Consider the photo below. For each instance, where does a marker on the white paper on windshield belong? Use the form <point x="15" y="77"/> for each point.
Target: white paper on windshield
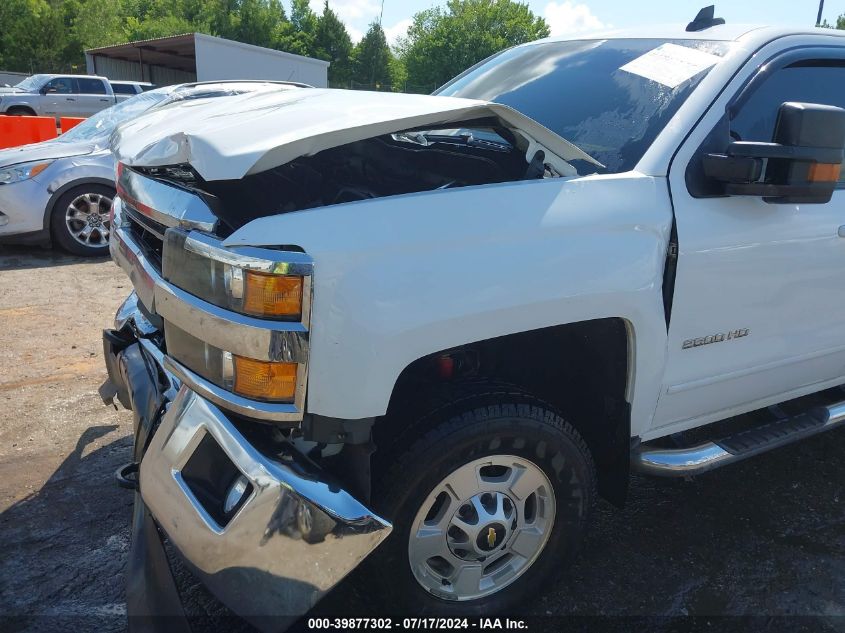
<point x="671" y="64"/>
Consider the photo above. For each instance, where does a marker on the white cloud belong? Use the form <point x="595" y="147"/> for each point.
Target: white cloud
<point x="396" y="31"/>
<point x="356" y="35"/>
<point x="357" y="15"/>
<point x="350" y="10"/>
<point x="570" y="17"/>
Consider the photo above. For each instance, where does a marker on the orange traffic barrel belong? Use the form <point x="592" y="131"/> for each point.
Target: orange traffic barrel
<point x="21" y="130"/>
<point x="67" y="122"/>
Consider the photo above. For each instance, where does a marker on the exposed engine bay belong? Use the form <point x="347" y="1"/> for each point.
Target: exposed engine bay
<point x="405" y="162"/>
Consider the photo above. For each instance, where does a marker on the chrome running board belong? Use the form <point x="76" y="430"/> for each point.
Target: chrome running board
<point x="694" y="460"/>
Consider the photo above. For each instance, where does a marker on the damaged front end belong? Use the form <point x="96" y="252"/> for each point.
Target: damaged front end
<point x="264" y="527"/>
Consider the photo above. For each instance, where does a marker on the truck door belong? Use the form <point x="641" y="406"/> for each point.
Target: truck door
<point x="758" y="313"/>
<point x="93" y="96"/>
<point x="59" y="97"/>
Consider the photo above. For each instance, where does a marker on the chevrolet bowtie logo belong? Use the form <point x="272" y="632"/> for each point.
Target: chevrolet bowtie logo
<point x="491" y="537"/>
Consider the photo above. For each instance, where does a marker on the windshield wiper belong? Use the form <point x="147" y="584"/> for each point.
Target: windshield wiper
<point x="468" y="140"/>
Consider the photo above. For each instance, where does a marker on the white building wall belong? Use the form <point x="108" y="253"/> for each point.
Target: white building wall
<point x="224" y="59"/>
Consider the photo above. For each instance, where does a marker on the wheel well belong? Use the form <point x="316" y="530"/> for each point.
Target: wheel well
<point x="26" y="109"/>
<point x="580" y="369"/>
<point x="54" y="198"/>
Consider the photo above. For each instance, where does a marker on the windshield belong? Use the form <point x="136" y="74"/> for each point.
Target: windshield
<point x="580" y="90"/>
<point x="102" y="124"/>
<point x="31" y="84"/>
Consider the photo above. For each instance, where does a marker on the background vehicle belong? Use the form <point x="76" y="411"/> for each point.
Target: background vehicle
<point x="126" y="89"/>
<point x="399" y="341"/>
<point x="61" y="189"/>
<point x="58" y="95"/>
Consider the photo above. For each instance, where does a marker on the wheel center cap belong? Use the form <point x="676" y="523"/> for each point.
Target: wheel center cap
<point x="94" y="220"/>
<point x="482" y="524"/>
<point x="490" y="537"/>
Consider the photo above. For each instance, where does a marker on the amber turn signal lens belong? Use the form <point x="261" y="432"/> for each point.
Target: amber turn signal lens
<point x="824" y="172"/>
<point x="272" y="295"/>
<point x="37" y="169"/>
<point x="262" y="380"/>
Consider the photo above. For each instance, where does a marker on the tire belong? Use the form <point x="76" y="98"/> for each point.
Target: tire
<point x="20" y="111"/>
<point x="72" y="222"/>
<point x="495" y="436"/>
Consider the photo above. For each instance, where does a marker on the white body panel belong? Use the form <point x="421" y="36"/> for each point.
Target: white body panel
<point x="399" y="278"/>
<point x="774" y="269"/>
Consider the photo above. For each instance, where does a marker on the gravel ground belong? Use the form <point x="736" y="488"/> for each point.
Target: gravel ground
<point x="765" y="538"/>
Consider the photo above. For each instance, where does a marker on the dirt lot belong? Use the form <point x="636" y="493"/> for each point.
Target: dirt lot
<point x="765" y="538"/>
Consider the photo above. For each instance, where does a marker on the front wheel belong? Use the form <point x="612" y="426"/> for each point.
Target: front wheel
<point x="80" y="220"/>
<point x="487" y="506"/>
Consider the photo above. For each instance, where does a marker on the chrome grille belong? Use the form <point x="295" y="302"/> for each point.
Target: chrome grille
<point x="148" y="234"/>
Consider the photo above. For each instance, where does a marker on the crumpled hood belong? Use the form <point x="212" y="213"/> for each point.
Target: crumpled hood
<point x="46" y="150"/>
<point x="246" y="134"/>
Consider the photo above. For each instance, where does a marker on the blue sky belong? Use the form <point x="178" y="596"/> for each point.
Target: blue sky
<point x="573" y="16"/>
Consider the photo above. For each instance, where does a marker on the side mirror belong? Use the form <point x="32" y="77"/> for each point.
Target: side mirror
<point x="47" y="90"/>
<point x="801" y="165"/>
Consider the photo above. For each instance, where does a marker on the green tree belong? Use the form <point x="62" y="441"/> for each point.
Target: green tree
<point x="99" y="23"/>
<point x="257" y="20"/>
<point x="219" y="17"/>
<point x="302" y="17"/>
<point x="34" y="35"/>
<point x="158" y="26"/>
<point x="443" y="42"/>
<point x="372" y="59"/>
<point x="146" y="19"/>
<point x="332" y="43"/>
<point x="297" y="36"/>
<point x="398" y="74"/>
<point x="840" y="23"/>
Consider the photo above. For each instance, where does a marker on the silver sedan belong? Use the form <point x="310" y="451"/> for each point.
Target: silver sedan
<point x="60" y="191"/>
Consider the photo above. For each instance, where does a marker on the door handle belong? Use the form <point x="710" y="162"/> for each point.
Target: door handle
<point x="104" y="100"/>
<point x="70" y="99"/>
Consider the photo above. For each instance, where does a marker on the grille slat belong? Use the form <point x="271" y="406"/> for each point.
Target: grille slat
<point x="149" y="235"/>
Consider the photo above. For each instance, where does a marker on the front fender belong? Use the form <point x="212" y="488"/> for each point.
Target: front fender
<point x="396" y="279"/>
<point x="21" y="101"/>
<point x="97" y="168"/>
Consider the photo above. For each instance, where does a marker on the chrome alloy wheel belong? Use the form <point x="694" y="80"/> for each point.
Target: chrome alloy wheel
<point x="481" y="527"/>
<point x="87" y="219"/>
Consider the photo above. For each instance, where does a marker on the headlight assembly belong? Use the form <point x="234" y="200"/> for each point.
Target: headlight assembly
<point x="22" y="171"/>
<point x="236" y="281"/>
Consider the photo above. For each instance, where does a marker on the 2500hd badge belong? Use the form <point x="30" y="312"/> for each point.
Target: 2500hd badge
<point x="715" y="338"/>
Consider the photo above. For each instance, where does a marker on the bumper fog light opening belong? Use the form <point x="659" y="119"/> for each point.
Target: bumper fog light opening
<point x="236" y="494"/>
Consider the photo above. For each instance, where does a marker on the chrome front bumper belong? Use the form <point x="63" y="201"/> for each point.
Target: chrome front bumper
<point x="288" y="544"/>
<point x="295" y="532"/>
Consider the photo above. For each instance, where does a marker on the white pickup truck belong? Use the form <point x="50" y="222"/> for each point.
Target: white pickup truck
<point x="423" y="333"/>
<point x="58" y="96"/>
